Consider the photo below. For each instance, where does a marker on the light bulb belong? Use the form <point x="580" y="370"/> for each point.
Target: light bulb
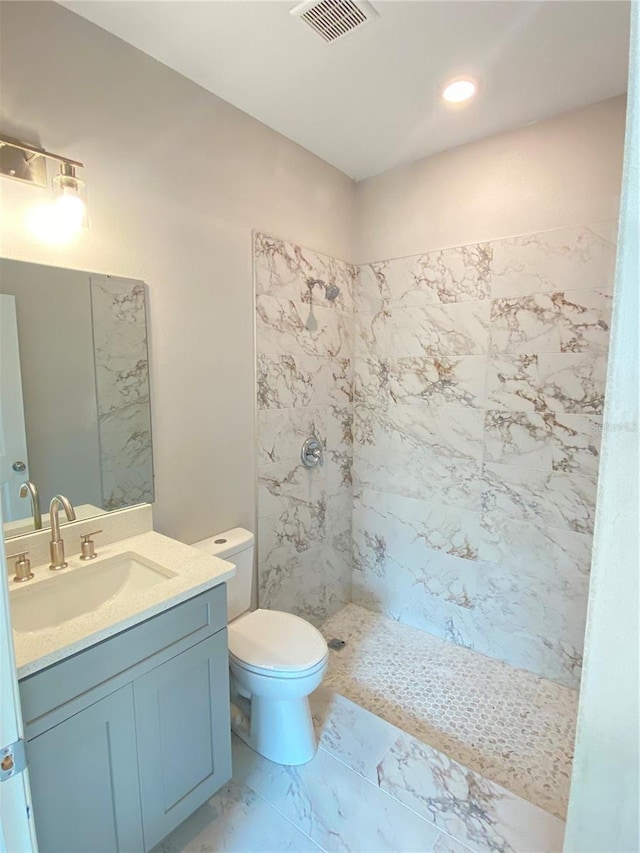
<point x="70" y="212"/>
<point x="459" y="90"/>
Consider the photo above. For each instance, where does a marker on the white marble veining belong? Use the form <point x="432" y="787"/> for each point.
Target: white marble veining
<point x="122" y="390"/>
<point x="479" y="389"/>
<point x="460" y="401"/>
<point x="304" y="351"/>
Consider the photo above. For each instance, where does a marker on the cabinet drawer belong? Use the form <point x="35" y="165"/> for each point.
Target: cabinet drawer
<point x="172" y="631"/>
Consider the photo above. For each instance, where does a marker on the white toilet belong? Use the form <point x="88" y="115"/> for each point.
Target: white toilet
<point x="276" y="660"/>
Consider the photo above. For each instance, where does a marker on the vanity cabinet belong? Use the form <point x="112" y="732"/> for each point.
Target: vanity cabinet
<point x="127" y="738"/>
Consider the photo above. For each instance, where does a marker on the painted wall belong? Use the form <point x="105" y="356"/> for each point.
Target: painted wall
<point x="605" y="786"/>
<point x="480" y="377"/>
<point x="304" y="352"/>
<point x="550" y="174"/>
<point x="177" y="180"/>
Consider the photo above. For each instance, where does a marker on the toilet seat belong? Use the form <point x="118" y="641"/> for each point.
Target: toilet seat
<point x="270" y="642"/>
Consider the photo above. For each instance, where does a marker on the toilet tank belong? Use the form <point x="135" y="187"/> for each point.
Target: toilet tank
<point x="235" y="546"/>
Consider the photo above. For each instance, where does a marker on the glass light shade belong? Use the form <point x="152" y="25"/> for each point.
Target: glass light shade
<point x="69" y="208"/>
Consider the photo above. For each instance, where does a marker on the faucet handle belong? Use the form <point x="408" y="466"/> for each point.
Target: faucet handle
<point x="87" y="545"/>
<point x="22" y="566"/>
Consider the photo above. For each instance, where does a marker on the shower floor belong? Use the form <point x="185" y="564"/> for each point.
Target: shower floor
<point x="511" y="726"/>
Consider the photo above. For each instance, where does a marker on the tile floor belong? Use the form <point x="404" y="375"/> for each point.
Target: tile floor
<point x="514" y="728"/>
<point x="370" y="788"/>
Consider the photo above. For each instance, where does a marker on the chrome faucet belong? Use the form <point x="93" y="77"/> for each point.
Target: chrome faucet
<point x="56" y="546"/>
<point x="30" y="489"/>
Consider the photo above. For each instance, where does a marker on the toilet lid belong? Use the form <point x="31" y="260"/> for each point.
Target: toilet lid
<point x="273" y="640"/>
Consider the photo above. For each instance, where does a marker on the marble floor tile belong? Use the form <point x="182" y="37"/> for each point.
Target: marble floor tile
<point x="508" y="725"/>
<point x="350" y="733"/>
<point x="336" y="807"/>
<point x="469" y="807"/>
<point x="236" y="820"/>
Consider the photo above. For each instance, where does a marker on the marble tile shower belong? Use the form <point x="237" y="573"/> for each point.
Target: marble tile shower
<point x="458" y="395"/>
<point x="304" y="349"/>
<point x="478" y="389"/>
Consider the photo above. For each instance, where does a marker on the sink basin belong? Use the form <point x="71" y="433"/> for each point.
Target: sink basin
<point x="65" y="596"/>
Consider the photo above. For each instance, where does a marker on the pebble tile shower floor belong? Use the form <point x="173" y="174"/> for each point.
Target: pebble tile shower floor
<point x="511" y="726"/>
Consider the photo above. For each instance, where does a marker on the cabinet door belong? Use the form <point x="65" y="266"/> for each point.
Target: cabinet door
<point x="184" y="737"/>
<point x="84" y="780"/>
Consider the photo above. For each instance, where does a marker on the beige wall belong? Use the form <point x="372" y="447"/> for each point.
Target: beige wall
<point x="558" y="172"/>
<point x="177" y="179"/>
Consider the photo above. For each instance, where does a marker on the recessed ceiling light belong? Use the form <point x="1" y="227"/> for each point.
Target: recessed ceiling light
<point x="459" y="89"/>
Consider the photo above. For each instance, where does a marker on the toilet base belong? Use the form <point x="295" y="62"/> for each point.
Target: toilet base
<point x="280" y="730"/>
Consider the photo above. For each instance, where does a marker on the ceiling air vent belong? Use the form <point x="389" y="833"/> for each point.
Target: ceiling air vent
<point x="333" y="19"/>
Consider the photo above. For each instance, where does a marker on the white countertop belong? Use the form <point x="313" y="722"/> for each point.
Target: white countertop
<point x="194" y="570"/>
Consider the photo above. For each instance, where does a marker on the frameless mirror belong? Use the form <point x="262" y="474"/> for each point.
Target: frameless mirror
<point x="74" y="393"/>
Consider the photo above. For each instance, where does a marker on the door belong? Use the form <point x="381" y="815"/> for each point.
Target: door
<point x="14" y="465"/>
<point x="16" y="823"/>
<point x="84" y="780"/>
<point x="182" y="717"/>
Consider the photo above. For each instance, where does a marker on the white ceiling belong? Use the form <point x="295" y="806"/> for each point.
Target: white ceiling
<point x="370" y="101"/>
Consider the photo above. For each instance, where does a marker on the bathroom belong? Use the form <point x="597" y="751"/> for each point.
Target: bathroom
<point x="463" y="359"/>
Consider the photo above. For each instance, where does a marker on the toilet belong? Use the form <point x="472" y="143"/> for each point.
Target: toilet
<point x="276" y="661"/>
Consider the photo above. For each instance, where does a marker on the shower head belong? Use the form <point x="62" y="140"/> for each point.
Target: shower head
<point x="332" y="291"/>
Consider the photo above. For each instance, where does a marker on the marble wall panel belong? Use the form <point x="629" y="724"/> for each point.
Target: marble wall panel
<point x="304" y="355"/>
<point x="479" y="388"/>
<point x="118" y="314"/>
<point x="458" y="395"/>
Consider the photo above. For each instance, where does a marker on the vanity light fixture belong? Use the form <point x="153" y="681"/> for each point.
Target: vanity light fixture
<point x="28" y="163"/>
<point x="459" y="89"/>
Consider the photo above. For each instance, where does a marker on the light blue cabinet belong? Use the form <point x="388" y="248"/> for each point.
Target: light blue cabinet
<point x="183" y="731"/>
<point x="84" y="780"/>
<point x="126" y="739"/>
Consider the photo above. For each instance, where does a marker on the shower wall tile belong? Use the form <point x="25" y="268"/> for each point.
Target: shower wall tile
<point x="304" y="354"/>
<point x="295" y="328"/>
<point x="524" y="324"/>
<point x="555" y="498"/>
<point x="289" y="381"/>
<point x="440" y="431"/>
<point x="569" y="258"/>
<point x="418" y="474"/>
<point x="281" y="432"/>
<point x="479" y="388"/>
<point x="282" y="269"/>
<point x="437" y="381"/>
<point x="392" y="530"/>
<point x="573" y="382"/>
<point x="458" y="395"/>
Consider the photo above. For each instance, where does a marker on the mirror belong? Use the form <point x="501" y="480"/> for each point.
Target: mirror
<point x="74" y="393"/>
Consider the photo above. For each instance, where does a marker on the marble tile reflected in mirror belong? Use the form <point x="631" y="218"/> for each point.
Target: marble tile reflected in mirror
<point x="74" y="392"/>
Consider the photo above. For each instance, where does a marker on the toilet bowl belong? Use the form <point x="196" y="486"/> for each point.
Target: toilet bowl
<point x="276" y="660"/>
